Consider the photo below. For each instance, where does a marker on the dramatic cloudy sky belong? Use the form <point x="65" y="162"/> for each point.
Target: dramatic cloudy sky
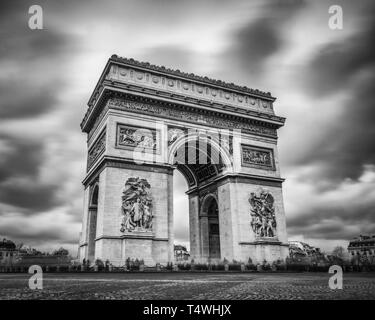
<point x="324" y="80"/>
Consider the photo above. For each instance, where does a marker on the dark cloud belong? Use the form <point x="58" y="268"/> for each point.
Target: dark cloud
<point x="337" y="64"/>
<point x="346" y="67"/>
<point x="329" y="223"/>
<point x="262" y="36"/>
<point x="344" y="213"/>
<point x="21" y="161"/>
<point x="21" y="157"/>
<point x="22" y="234"/>
<point x="32" y="62"/>
<point x="34" y="198"/>
<point x="24" y="98"/>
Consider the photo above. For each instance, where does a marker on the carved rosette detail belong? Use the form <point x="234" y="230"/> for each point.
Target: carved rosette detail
<point x="136" y="206"/>
<point x="262" y="212"/>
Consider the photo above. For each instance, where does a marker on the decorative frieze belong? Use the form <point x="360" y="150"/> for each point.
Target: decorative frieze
<point x="97" y="121"/>
<point x="256" y="157"/>
<point x="97" y="149"/>
<point x="144" y="139"/>
<point x="193" y="116"/>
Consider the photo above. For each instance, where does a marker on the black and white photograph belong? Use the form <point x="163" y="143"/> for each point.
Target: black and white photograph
<point x="202" y="152"/>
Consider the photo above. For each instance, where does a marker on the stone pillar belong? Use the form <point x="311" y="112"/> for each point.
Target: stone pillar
<point x="170" y="219"/>
<point x="92" y="219"/>
<point x="195" y="240"/>
<point x="116" y="245"/>
<point x="228" y="232"/>
<point x="205" y="246"/>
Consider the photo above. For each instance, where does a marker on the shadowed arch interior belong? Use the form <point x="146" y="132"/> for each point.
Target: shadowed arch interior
<point x="198" y="161"/>
<point x="209" y="217"/>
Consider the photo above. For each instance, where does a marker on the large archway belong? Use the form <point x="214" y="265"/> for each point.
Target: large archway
<point x="201" y="160"/>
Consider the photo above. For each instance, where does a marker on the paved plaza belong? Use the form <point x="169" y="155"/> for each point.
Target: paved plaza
<point x="195" y="286"/>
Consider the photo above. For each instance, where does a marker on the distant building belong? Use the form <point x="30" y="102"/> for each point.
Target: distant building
<point x="302" y="249"/>
<point x="180" y="253"/>
<point x="363" y="247"/>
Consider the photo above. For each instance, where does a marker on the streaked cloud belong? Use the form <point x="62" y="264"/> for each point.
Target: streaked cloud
<point x="323" y="80"/>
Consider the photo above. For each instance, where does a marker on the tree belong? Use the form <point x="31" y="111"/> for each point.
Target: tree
<point x="339" y="252"/>
<point x="61" y="252"/>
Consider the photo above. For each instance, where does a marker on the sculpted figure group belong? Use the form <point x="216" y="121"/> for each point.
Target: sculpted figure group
<point x="262" y="211"/>
<point x="136" y="206"/>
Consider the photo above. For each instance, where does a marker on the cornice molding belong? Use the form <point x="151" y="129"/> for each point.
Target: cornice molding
<point x="117" y="162"/>
<point x="243" y="116"/>
<point x="238" y="178"/>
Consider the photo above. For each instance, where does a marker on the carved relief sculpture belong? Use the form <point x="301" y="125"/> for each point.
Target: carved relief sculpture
<point x="262" y="211"/>
<point x="174" y="134"/>
<point x="136" y="206"/>
<point x="133" y="137"/>
<point x="257" y="157"/>
<point x="189" y="116"/>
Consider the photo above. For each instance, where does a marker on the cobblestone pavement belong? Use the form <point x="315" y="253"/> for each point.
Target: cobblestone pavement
<point x="226" y="286"/>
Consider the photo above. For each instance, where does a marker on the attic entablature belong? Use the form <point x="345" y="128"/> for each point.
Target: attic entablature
<point x="157" y="82"/>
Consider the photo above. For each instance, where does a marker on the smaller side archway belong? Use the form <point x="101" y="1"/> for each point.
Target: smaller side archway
<point x="210" y="230"/>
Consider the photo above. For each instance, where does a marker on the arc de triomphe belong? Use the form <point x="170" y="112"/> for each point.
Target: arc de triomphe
<point x="144" y="122"/>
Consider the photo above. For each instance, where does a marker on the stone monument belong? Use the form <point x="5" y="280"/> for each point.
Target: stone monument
<point x="143" y="122"/>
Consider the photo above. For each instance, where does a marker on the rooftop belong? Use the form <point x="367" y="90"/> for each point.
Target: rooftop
<point x="190" y="76"/>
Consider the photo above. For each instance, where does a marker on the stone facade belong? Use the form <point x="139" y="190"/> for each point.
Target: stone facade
<point x="143" y="123"/>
